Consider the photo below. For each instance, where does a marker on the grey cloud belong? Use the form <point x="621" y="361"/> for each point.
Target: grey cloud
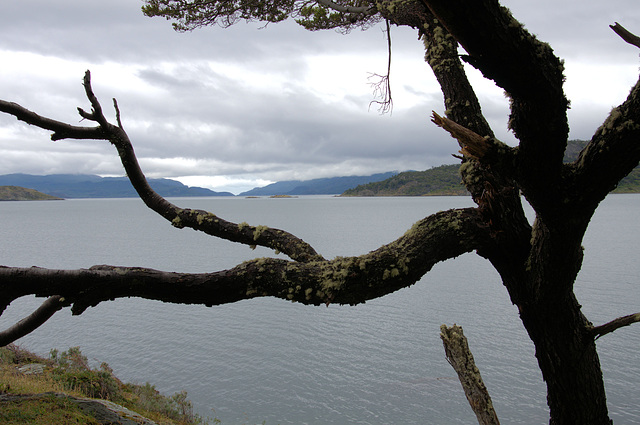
<point x="189" y="116"/>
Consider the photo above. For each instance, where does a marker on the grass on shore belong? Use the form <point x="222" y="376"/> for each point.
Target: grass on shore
<point x="69" y="373"/>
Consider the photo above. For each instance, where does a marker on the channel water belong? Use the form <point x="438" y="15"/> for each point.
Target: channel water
<point x="283" y="363"/>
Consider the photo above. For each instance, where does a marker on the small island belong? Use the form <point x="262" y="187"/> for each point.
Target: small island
<point x="17" y="193"/>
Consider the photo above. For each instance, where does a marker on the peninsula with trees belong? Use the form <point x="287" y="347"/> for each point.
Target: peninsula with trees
<point x="446" y="180"/>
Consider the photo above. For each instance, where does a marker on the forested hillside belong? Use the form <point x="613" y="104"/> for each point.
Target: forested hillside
<point x="442" y="180"/>
<point x="445" y="180"/>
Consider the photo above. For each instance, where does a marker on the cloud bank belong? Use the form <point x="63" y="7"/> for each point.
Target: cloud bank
<point x="235" y="108"/>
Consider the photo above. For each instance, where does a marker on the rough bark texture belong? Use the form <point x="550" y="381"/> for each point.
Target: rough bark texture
<point x="538" y="262"/>
<point x="460" y="358"/>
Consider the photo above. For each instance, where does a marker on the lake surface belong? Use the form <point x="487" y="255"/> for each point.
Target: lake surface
<point x="284" y="363"/>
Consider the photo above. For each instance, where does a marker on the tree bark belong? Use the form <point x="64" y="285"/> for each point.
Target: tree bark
<point x="569" y="362"/>
<point x="460" y="358"/>
<point x="32" y="321"/>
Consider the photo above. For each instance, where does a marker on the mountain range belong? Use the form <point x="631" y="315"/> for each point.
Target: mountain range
<point x="91" y="186"/>
<point x="324" y="186"/>
<point x="442" y="180"/>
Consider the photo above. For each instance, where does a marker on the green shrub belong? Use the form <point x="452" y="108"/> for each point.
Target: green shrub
<point x="73" y="372"/>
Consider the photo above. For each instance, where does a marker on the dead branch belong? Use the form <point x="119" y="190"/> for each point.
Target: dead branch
<point x="598" y="331"/>
<point x="209" y="223"/>
<point x="473" y="145"/>
<point x="344" y="280"/>
<point x="33" y="321"/>
<point x="60" y="130"/>
<point x="625" y="34"/>
<point x="460" y="358"/>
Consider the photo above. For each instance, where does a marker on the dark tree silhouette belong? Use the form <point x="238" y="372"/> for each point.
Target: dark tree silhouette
<point x="537" y="262"/>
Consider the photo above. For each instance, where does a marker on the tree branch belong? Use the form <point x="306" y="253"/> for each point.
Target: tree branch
<point x="204" y="221"/>
<point x="610" y="155"/>
<point x="33" y="321"/>
<point x="347" y="9"/>
<point x="490" y="179"/>
<point x="532" y="77"/>
<point x="473" y="145"/>
<point x="460" y="358"/>
<point x="344" y="280"/>
<point x="598" y="331"/>
<point x="60" y="130"/>
<point x="613" y="150"/>
<point x="625" y="34"/>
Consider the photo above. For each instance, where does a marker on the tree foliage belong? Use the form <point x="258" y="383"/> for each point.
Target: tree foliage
<point x="312" y="15"/>
<point x="538" y="262"/>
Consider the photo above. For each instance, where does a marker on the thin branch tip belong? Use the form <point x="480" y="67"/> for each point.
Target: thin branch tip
<point x="615" y="324"/>
<point x="625" y="34"/>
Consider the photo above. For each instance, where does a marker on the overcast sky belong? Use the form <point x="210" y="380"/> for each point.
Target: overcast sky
<point x="231" y="109"/>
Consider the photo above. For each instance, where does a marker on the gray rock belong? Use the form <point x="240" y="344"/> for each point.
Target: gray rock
<point x="105" y="412"/>
<point x="32" y="369"/>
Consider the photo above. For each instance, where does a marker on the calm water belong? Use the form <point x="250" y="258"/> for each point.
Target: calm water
<point x="284" y="363"/>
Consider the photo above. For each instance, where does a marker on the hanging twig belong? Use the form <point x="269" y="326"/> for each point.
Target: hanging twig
<point x="382" y="87"/>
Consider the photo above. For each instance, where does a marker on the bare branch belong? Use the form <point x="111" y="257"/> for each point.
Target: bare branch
<point x="33" y="321"/>
<point x="204" y="221"/>
<point x="532" y="77"/>
<point x="460" y="358"/>
<point x="473" y="145"/>
<point x="625" y="34"/>
<point x="348" y="280"/>
<point x="610" y="155"/>
<point x="115" y="106"/>
<point x="598" y="331"/>
<point x="60" y="130"/>
<point x="486" y="149"/>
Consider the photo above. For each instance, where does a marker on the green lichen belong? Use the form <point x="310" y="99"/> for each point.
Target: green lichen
<point x="441" y="50"/>
<point x="334" y="275"/>
<point x="403" y="265"/>
<point x="258" y="231"/>
<point x="242" y="225"/>
<point x="177" y="222"/>
<point x="206" y="217"/>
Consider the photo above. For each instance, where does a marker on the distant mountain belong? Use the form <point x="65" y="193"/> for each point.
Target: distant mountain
<point x="326" y="186"/>
<point x="16" y="193"/>
<point x="91" y="186"/>
<point x="442" y="180"/>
